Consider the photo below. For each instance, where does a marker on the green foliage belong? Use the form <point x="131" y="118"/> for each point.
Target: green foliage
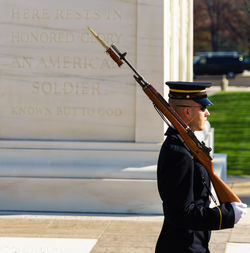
<point x="230" y="118"/>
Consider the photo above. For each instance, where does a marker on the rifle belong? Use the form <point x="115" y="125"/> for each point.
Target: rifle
<point x="199" y="149"/>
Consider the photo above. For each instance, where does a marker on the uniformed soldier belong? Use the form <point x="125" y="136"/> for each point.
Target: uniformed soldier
<point x="183" y="182"/>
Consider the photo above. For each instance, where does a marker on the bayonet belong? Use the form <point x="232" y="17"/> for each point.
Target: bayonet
<point x="109" y="50"/>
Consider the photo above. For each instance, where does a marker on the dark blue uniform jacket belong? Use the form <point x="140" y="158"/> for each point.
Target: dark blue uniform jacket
<point x="188" y="218"/>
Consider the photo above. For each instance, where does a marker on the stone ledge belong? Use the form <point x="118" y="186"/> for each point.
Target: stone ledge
<point x="78" y="159"/>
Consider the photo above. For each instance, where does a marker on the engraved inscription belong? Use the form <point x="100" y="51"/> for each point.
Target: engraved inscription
<point x="62" y="62"/>
<point x="31" y="110"/>
<point x="61" y="37"/>
<point x="53" y="76"/>
<point x="88" y="111"/>
<point x="67" y="111"/>
<point x="30" y="14"/>
<point x="65" y="14"/>
<point x="65" y="89"/>
<point x="87" y="14"/>
<point x="42" y="37"/>
<point x="110" y="38"/>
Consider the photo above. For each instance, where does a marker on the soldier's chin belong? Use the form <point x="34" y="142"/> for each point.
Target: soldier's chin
<point x="199" y="129"/>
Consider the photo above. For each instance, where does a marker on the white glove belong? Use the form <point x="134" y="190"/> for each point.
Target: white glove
<point x="240" y="209"/>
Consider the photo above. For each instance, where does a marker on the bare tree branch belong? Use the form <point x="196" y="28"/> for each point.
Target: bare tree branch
<point x="226" y="22"/>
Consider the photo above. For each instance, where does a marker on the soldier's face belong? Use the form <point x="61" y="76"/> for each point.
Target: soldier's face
<point x="198" y="117"/>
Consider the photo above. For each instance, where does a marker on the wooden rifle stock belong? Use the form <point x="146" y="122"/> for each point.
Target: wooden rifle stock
<point x="224" y="193"/>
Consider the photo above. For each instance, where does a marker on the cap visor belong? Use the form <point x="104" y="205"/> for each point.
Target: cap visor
<point x="203" y="101"/>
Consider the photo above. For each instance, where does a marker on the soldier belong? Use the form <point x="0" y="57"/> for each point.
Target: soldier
<point x="184" y="184"/>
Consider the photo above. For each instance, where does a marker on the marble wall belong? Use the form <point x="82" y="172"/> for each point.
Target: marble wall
<point x="57" y="83"/>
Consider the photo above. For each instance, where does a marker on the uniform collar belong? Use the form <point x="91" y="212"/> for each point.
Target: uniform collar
<point x="171" y="131"/>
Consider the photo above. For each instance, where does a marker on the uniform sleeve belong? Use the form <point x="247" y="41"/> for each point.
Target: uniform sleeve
<point x="175" y="182"/>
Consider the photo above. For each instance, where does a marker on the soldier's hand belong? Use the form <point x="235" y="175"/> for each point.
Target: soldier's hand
<point x="240" y="209"/>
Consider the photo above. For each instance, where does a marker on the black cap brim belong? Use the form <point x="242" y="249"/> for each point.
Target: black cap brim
<point x="203" y="101"/>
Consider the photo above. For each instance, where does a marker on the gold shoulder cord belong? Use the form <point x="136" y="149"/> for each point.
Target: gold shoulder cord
<point x="220" y="217"/>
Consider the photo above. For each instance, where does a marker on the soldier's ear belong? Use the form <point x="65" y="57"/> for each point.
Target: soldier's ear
<point x="186" y="111"/>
